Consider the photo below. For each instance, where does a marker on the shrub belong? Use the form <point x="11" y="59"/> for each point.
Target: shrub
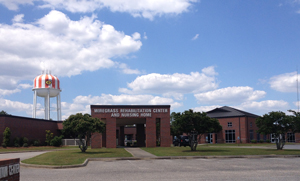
<point x="253" y="141"/>
<point x="21" y="142"/>
<point x="36" y="143"/>
<point x="56" y="141"/>
<point x="4" y="145"/>
<point x="17" y="142"/>
<point x="49" y="137"/>
<point x="261" y="141"/>
<point x="25" y="142"/>
<point x="268" y="141"/>
<point x="6" y="137"/>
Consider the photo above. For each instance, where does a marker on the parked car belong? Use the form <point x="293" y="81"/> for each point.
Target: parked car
<point x="176" y="141"/>
<point x="181" y="141"/>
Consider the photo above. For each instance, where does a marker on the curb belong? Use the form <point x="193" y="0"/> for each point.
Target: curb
<point x="156" y="158"/>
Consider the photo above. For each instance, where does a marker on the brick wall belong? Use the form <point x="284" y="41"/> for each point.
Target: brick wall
<point x="10" y="169"/>
<point x="33" y="129"/>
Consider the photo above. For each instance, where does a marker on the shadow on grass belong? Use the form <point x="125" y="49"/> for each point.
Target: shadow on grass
<point x="204" y="151"/>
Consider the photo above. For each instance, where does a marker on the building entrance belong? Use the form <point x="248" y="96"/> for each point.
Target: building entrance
<point x="146" y="125"/>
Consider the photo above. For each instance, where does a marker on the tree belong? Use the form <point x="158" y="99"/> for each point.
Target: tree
<point x="3" y="113"/>
<point x="296" y="121"/>
<point x="196" y="122"/>
<point x="276" y="123"/>
<point x="6" y="137"/>
<point x="82" y="127"/>
<point x="49" y="137"/>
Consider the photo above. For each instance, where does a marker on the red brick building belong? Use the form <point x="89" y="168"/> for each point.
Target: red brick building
<point x="238" y="127"/>
<point x="31" y="128"/>
<point x="151" y="125"/>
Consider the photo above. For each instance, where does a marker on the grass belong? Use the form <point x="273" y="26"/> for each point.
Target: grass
<point x="241" y="144"/>
<point x="37" y="148"/>
<point x="73" y="157"/>
<point x="216" y="151"/>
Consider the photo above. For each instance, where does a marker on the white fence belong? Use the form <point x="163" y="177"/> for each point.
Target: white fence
<point x="70" y="142"/>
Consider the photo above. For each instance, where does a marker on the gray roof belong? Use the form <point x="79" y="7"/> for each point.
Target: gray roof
<point x="225" y="112"/>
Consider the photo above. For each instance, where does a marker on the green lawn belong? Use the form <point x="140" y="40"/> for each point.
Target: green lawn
<point x="73" y="157"/>
<point x="37" y="148"/>
<point x="216" y="151"/>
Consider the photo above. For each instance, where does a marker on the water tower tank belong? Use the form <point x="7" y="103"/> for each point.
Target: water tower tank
<point x="47" y="86"/>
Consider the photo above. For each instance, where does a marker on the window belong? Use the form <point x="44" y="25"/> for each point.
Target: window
<point x="250" y="124"/>
<point x="251" y="135"/>
<point x="290" y="137"/>
<point x="229" y="124"/>
<point x="230" y="136"/>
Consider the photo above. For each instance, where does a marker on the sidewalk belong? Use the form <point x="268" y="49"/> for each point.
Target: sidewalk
<point x="137" y="152"/>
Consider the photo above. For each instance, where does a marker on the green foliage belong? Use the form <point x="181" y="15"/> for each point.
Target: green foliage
<point x="253" y="141"/>
<point x="189" y="121"/>
<point x="56" y="141"/>
<point x="268" y="141"/>
<point x="49" y="137"/>
<point x="25" y="142"/>
<point x="82" y="127"/>
<point x="17" y="142"/>
<point x="3" y="113"/>
<point x="36" y="143"/>
<point x="276" y="123"/>
<point x="261" y="141"/>
<point x="6" y="137"/>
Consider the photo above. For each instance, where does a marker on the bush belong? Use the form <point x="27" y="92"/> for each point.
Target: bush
<point x="261" y="141"/>
<point x="25" y="140"/>
<point x="49" y="137"/>
<point x="6" y="137"/>
<point x="56" y="141"/>
<point x="36" y="143"/>
<point x="21" y="142"/>
<point x="253" y="141"/>
<point x="17" y="142"/>
<point x="4" y="145"/>
<point x="268" y="141"/>
<point x="25" y="145"/>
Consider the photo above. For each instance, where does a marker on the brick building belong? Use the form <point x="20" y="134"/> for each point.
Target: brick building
<point x="238" y="127"/>
<point x="31" y="128"/>
<point x="149" y="124"/>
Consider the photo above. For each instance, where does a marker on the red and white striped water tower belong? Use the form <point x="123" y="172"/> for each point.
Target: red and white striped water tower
<point x="47" y="86"/>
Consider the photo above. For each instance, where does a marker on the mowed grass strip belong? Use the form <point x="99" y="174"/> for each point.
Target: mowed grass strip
<point x="74" y="157"/>
<point x="38" y="148"/>
<point x="216" y="151"/>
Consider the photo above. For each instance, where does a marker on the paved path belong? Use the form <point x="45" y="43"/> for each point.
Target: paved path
<point x="21" y="155"/>
<point x="137" y="152"/>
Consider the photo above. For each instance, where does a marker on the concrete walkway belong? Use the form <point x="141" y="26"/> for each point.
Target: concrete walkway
<point x="137" y="152"/>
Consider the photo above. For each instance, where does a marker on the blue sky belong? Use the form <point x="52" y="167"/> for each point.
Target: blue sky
<point x="189" y="54"/>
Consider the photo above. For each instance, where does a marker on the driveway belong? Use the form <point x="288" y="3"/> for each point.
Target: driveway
<point x="274" y="169"/>
<point x="22" y="155"/>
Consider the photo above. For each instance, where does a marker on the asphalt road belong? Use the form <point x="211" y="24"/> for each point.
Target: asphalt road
<point x="179" y="169"/>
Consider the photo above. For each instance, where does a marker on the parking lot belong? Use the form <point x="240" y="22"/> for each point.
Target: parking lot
<point x="176" y="169"/>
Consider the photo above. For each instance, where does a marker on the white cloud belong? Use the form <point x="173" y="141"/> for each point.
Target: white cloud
<point x="205" y="108"/>
<point x="229" y="95"/>
<point x="195" y="37"/>
<point x="14" y="4"/>
<point x="173" y="84"/>
<point x="126" y="70"/>
<point x="137" y="8"/>
<point x="284" y="82"/>
<point x="14" y="106"/>
<point x="264" y="107"/>
<point x="62" y="45"/>
<point x="18" y="18"/>
<point x="145" y="36"/>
